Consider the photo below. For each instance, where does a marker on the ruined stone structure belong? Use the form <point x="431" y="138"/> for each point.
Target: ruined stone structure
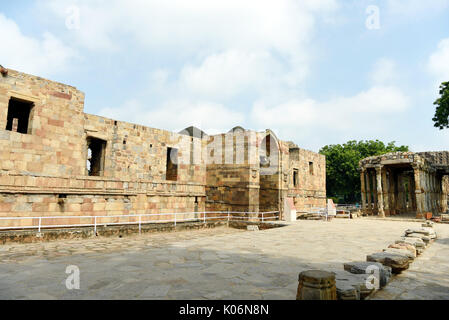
<point x="405" y="182"/>
<point x="56" y="160"/>
<point x="255" y="171"/>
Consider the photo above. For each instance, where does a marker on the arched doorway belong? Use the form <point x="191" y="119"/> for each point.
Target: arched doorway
<point x="269" y="178"/>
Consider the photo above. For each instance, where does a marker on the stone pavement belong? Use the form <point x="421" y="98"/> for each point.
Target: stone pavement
<point x="427" y="278"/>
<point x="217" y="263"/>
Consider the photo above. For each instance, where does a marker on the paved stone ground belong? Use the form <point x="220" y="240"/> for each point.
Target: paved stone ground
<point x="207" y="264"/>
<point x="427" y="277"/>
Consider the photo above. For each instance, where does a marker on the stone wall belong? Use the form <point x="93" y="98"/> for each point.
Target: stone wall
<point x="44" y="171"/>
<point x="252" y="185"/>
<point x="56" y="160"/>
<point x="310" y="190"/>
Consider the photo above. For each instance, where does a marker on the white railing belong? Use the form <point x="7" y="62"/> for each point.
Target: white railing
<point x="99" y="220"/>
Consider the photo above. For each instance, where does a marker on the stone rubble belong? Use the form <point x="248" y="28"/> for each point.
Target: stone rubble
<point x="396" y="261"/>
<point x="361" y="267"/>
<point x="403" y="252"/>
<point x="404" y="246"/>
<point x="344" y="280"/>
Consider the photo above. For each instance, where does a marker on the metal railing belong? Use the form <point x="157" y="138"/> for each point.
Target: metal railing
<point x="139" y="219"/>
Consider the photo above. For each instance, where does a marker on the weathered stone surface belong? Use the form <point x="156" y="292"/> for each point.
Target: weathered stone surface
<point x="395" y="261"/>
<point x="428" y="224"/>
<point x="131" y="173"/>
<point x="424" y="238"/>
<point x="347" y="291"/>
<point x="360" y="282"/>
<point x="316" y="285"/>
<point x="404" y="252"/>
<point x="430" y="232"/>
<point x="362" y="267"/>
<point x="404" y="246"/>
<point x="416" y="242"/>
<point x="390" y="194"/>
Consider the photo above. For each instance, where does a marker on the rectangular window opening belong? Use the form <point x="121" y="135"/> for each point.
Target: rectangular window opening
<point x="295" y="177"/>
<point x="19" y="116"/>
<point x="172" y="164"/>
<point x="95" y="156"/>
<point x="311" y="168"/>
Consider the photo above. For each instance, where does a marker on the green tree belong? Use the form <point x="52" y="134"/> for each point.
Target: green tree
<point x="441" y="118"/>
<point x="342" y="162"/>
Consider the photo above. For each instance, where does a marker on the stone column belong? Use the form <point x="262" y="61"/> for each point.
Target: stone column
<point x="434" y="193"/>
<point x="400" y="194"/>
<point x="425" y="186"/>
<point x="369" y="203"/>
<point x="443" y="196"/>
<point x="375" y="204"/>
<point x="393" y="195"/>
<point x="412" y="199"/>
<point x="380" y="198"/>
<point x="386" y="190"/>
<point x="363" y="190"/>
<point x="418" y="192"/>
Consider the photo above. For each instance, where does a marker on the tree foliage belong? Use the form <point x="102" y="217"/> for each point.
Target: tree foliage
<point x="441" y="118"/>
<point x="342" y="161"/>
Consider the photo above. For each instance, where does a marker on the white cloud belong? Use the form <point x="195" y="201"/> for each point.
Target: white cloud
<point x="38" y="56"/>
<point x="232" y="72"/>
<point x="439" y="61"/>
<point x="225" y="46"/>
<point x="188" y="24"/>
<point x="415" y="7"/>
<point x="384" y="71"/>
<point x="178" y="114"/>
<point x="357" y="115"/>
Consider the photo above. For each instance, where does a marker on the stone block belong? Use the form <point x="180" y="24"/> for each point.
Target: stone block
<point x="396" y="261"/>
<point x="316" y="285"/>
<point x="404" y="246"/>
<point x="404" y="252"/>
<point x="367" y="268"/>
<point x="416" y="242"/>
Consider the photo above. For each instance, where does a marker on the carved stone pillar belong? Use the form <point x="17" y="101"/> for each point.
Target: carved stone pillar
<point x="400" y="194"/>
<point x="412" y="199"/>
<point x="425" y="187"/>
<point x="369" y="201"/>
<point x="375" y="203"/>
<point x="363" y="190"/>
<point x="380" y="198"/>
<point x="393" y="195"/>
<point x="418" y="192"/>
<point x="385" y="192"/>
<point x="443" y="195"/>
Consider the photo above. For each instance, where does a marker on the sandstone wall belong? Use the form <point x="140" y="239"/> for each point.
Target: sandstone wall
<point x="44" y="172"/>
<point x="311" y="187"/>
<point x="54" y="146"/>
<point x="232" y="173"/>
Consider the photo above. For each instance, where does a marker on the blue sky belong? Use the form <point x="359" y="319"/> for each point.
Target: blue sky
<point x="311" y="70"/>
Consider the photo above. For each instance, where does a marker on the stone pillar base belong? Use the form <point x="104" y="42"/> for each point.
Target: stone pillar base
<point x="316" y="285"/>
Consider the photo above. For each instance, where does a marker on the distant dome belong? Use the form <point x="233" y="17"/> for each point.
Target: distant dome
<point x="238" y="128"/>
<point x="193" y="132"/>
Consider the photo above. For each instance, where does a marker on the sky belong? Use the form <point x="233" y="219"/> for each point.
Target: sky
<point x="316" y="72"/>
